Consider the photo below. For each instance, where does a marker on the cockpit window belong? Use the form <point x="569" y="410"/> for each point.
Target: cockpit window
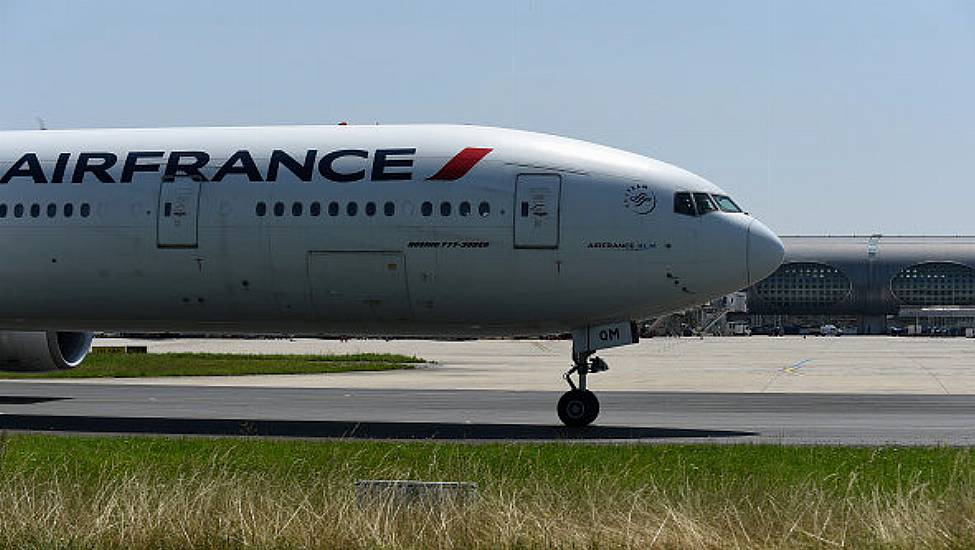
<point x="684" y="204"/>
<point x="726" y="204"/>
<point x="704" y="203"/>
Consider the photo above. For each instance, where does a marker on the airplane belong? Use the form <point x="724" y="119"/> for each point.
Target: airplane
<point x="349" y="230"/>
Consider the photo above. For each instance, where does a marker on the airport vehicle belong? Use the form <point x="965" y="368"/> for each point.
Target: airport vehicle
<point x="740" y="328"/>
<point x="830" y="330"/>
<point x="425" y="230"/>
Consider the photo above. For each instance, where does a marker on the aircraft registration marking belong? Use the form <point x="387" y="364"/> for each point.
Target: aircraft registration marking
<point x="448" y="244"/>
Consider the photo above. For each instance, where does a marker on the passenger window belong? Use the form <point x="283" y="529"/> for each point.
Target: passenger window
<point x="684" y="204"/>
<point x="296" y="209"/>
<point x="726" y="204"/>
<point x="3" y="210"/>
<point x="260" y="210"/>
<point x="484" y="209"/>
<point x="52" y="210"/>
<point x="68" y="209"/>
<point x="389" y="209"/>
<point x="426" y="208"/>
<point x="85" y="209"/>
<point x="19" y="211"/>
<point x="445" y="208"/>
<point x="465" y="209"/>
<point x="352" y="208"/>
<point x="333" y="208"/>
<point x="316" y="209"/>
<point x="279" y="209"/>
<point x="35" y="210"/>
<point x="704" y="203"/>
<point x="370" y="209"/>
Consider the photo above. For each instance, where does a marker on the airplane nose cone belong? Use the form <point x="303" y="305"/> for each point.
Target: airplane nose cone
<point x="765" y="252"/>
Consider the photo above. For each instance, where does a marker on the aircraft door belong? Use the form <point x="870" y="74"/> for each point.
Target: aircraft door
<point x="537" y="198"/>
<point x="178" y="213"/>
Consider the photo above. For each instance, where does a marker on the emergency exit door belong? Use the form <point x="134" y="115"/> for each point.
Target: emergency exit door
<point x="537" y="210"/>
<point x="178" y="213"/>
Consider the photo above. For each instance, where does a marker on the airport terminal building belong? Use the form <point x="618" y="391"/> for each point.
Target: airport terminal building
<point x="870" y="284"/>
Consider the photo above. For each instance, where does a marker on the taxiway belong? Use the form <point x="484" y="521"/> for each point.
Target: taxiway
<point x="487" y="414"/>
<point x="849" y="391"/>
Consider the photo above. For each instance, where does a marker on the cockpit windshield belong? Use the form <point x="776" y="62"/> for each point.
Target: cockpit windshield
<point x="704" y="203"/>
<point x="684" y="204"/>
<point x="699" y="204"/>
<point x="726" y="204"/>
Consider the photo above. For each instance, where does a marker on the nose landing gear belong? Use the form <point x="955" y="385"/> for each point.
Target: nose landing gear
<point x="579" y="407"/>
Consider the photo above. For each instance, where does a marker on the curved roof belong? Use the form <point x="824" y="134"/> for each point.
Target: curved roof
<point x="899" y="249"/>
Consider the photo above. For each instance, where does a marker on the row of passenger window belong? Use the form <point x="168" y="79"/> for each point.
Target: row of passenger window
<point x="315" y="209"/>
<point x="370" y="209"/>
<point x="67" y="210"/>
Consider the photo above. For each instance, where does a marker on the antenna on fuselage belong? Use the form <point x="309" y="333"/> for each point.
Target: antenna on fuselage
<point x="41" y="125"/>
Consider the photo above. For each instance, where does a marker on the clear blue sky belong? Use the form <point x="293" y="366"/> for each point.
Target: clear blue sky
<point x="820" y="116"/>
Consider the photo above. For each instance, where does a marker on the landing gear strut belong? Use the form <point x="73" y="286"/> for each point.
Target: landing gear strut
<point x="579" y="407"/>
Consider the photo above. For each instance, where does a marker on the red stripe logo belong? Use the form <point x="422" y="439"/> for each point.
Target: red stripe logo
<point x="461" y="164"/>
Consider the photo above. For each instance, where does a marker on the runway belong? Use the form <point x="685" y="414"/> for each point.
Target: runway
<point x="487" y="415"/>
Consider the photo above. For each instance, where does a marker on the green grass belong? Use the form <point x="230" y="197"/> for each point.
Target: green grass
<point x="165" y="492"/>
<point x="129" y="365"/>
<point x="671" y="467"/>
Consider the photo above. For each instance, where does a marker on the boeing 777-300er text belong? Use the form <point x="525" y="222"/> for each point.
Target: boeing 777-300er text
<point x="414" y="231"/>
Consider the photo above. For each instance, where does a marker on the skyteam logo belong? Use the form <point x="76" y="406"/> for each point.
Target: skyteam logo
<point x="640" y="199"/>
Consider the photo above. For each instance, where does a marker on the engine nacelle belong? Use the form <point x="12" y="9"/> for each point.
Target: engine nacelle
<point x="43" y="351"/>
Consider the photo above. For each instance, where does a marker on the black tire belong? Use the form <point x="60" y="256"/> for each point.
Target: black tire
<point x="578" y="408"/>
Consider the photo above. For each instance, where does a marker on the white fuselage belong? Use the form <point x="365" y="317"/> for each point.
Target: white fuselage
<point x="522" y="233"/>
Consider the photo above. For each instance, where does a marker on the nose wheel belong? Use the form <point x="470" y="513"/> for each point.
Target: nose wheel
<point x="579" y="407"/>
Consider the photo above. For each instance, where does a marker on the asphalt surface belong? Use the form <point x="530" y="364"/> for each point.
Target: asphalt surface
<point x="487" y="415"/>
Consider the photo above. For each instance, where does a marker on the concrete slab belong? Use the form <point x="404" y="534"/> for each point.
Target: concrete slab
<point x="757" y="364"/>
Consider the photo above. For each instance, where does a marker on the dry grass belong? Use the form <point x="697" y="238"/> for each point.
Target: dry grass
<point x="220" y="504"/>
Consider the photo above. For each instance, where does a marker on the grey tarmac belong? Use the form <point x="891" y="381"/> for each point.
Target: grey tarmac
<point x="487" y="415"/>
<point x="865" y="390"/>
<point x="757" y="364"/>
